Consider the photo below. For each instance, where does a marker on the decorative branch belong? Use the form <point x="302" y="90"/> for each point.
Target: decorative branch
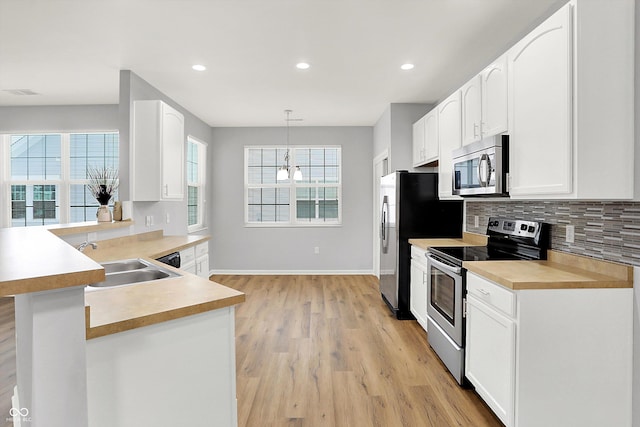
<point x="103" y="182"/>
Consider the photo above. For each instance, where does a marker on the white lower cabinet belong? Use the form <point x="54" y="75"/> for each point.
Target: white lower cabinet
<point x="490" y="356"/>
<point x="195" y="260"/>
<point x="202" y="260"/>
<point x="188" y="260"/>
<point x="418" y="291"/>
<point x="551" y="357"/>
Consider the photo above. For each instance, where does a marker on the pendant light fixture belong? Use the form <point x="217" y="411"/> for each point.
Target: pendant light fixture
<point x="284" y="172"/>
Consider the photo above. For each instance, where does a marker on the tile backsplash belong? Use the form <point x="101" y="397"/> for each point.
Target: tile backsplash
<point x="604" y="230"/>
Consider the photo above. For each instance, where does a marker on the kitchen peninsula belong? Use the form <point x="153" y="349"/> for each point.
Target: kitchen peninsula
<point x="166" y="341"/>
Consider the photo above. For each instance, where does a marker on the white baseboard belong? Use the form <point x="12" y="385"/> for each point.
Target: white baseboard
<point x="293" y="272"/>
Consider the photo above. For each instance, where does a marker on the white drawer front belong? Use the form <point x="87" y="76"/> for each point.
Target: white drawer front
<point x="202" y="248"/>
<point x="187" y="255"/>
<point x="492" y="294"/>
<point x="418" y="255"/>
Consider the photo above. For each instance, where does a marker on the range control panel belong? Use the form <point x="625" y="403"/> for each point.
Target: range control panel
<point x="513" y="227"/>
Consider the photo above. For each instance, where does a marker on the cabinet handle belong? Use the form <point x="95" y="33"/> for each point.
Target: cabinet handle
<point x="475" y="130"/>
<point x="166" y="189"/>
<point x="483" y="292"/>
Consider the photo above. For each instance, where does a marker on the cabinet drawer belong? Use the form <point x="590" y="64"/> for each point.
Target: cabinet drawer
<point x="187" y="255"/>
<point x="418" y="256"/>
<point x="202" y="248"/>
<point x="491" y="294"/>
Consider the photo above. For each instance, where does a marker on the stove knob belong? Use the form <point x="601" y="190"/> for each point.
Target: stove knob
<point x="531" y="229"/>
<point x="523" y="227"/>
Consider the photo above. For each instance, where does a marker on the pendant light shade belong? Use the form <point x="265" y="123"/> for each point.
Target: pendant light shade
<point x="297" y="175"/>
<point x="283" y="174"/>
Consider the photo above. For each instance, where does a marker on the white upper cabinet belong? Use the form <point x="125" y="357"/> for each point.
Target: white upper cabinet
<point x="540" y="89"/>
<point x="449" y="137"/>
<point x="484" y="103"/>
<point x="472" y="110"/>
<point x="425" y="139"/>
<point x="494" y="98"/>
<point x="418" y="142"/>
<point x="157" y="152"/>
<point x="571" y="104"/>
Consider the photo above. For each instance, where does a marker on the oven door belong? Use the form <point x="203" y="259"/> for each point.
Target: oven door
<point x="444" y="298"/>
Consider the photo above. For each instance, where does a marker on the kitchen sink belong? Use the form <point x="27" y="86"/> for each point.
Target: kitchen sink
<point x="125" y="265"/>
<point x="131" y="271"/>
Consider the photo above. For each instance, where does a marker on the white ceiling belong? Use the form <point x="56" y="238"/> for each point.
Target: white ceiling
<point x="70" y="53"/>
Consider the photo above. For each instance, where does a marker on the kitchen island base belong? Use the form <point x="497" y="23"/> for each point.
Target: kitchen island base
<point x="179" y="372"/>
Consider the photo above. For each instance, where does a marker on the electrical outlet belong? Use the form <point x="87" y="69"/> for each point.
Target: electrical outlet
<point x="570" y="234"/>
<point x="476" y="221"/>
<point x="316" y="250"/>
<point x="148" y="220"/>
<point x="168" y="218"/>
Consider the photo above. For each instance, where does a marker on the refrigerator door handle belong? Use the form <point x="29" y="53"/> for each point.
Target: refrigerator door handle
<point x="383" y="225"/>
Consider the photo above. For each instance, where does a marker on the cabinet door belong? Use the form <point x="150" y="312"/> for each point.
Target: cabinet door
<point x="540" y="109"/>
<point x="418" y="297"/>
<point x="173" y="146"/>
<point x="449" y="136"/>
<point x="202" y="266"/>
<point x="418" y="142"/>
<point x="471" y="110"/>
<point x="490" y="357"/>
<point x="494" y="98"/>
<point x="431" y="148"/>
<point x="413" y="284"/>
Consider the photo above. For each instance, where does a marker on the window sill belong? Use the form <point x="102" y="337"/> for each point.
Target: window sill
<point x="86" y="227"/>
<point x="310" y="225"/>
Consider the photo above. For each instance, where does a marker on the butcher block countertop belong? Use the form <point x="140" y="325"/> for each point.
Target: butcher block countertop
<point x="118" y="309"/>
<point x="468" y="239"/>
<point x="35" y="260"/>
<point x="150" y="245"/>
<point x="559" y="271"/>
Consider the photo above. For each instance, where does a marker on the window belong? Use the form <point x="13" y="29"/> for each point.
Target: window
<point x="196" y="178"/>
<point x="47" y="175"/>
<point x="314" y="200"/>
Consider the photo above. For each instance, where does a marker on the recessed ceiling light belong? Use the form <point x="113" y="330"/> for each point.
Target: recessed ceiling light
<point x="302" y="65"/>
<point x="199" y="67"/>
<point x="407" y="66"/>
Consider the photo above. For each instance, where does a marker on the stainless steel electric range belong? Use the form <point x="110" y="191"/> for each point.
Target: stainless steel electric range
<point x="509" y="239"/>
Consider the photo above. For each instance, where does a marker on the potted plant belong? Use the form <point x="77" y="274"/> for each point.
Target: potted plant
<point x="103" y="182"/>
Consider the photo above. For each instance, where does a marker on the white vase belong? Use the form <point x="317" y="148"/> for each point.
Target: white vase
<point x="104" y="214"/>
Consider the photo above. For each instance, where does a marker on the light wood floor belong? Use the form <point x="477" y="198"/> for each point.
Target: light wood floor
<point x="325" y="351"/>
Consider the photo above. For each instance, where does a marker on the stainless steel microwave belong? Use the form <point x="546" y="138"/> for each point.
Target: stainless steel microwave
<point x="481" y="168"/>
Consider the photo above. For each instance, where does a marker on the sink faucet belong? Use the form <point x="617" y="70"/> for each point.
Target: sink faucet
<point x="85" y="244"/>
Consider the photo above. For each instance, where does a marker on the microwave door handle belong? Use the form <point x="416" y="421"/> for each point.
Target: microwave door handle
<point x="483" y="164"/>
<point x="445" y="267"/>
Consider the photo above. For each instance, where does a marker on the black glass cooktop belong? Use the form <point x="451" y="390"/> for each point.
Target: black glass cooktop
<point x="457" y="255"/>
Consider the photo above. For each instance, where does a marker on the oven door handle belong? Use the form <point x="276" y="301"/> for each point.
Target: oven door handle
<point x="442" y="266"/>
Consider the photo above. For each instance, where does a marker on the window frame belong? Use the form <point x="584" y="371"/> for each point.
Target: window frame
<point x="292" y="185"/>
<point x="202" y="147"/>
<point x="63" y="183"/>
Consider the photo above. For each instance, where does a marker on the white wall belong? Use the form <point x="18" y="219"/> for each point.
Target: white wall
<point x="62" y="118"/>
<point x="394" y="131"/>
<point x="235" y="248"/>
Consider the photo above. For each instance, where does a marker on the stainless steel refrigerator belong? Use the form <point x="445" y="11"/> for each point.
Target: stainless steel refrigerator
<point x="410" y="208"/>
